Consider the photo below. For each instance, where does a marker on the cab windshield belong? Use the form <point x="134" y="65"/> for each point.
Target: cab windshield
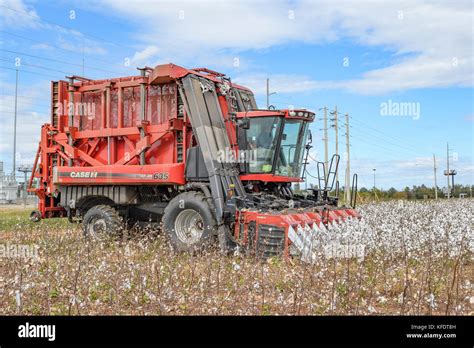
<point x="262" y="140"/>
<point x="292" y="148"/>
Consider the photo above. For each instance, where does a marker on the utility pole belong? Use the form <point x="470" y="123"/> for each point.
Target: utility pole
<point x="434" y="169"/>
<point x="326" y="163"/>
<point x="347" y="192"/>
<point x="447" y="163"/>
<point x="375" y="192"/>
<point x="336" y="128"/>
<point x="453" y="173"/>
<point x="374" y="177"/>
<point x="14" y="126"/>
<point x="268" y="93"/>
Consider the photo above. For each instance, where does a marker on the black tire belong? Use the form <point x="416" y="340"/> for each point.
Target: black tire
<point x="102" y="221"/>
<point x="35" y="216"/>
<point x="189" y="223"/>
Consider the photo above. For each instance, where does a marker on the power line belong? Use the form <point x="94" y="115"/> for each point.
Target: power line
<point x="398" y="139"/>
<point x="21" y="96"/>
<point x="29" y="72"/>
<point x="385" y="134"/>
<point x="39" y="67"/>
<point x="377" y="146"/>
<point x="70" y="29"/>
<point x="2" y="105"/>
<point x="8" y="108"/>
<point x="62" y="48"/>
<point x="378" y="138"/>
<point x="58" y="61"/>
<point x="384" y="139"/>
<point x="20" y="113"/>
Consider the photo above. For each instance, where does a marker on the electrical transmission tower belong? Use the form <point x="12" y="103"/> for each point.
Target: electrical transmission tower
<point x="25" y="170"/>
<point x="449" y="172"/>
<point x="336" y="128"/>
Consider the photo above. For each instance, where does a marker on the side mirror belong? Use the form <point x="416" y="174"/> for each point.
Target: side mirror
<point x="310" y="140"/>
<point x="283" y="136"/>
<point x="244" y="123"/>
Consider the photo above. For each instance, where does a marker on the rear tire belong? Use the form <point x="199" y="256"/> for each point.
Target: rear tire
<point x="188" y="222"/>
<point x="102" y="221"/>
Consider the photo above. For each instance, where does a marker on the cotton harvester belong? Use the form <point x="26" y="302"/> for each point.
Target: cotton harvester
<point x="190" y="150"/>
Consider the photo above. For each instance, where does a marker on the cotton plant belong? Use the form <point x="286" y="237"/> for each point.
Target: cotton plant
<point x="417" y="259"/>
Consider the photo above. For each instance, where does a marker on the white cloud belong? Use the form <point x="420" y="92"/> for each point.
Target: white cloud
<point x="433" y="35"/>
<point x="142" y="57"/>
<point x="280" y="83"/>
<point x="15" y="13"/>
<point x="42" y="46"/>
<point x="82" y="45"/>
<point x="418" y="162"/>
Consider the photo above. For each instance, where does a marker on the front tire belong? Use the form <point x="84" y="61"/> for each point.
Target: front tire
<point x="102" y="221"/>
<point x="188" y="222"/>
<point x="35" y="216"/>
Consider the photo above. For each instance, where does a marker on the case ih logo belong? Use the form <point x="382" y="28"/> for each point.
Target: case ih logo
<point x="86" y="175"/>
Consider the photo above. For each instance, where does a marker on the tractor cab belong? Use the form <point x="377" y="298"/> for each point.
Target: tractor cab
<point x="272" y="144"/>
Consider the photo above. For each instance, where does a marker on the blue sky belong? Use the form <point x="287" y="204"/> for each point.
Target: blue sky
<point x="356" y="55"/>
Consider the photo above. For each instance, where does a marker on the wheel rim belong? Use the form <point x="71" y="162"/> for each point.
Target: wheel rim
<point x="97" y="227"/>
<point x="189" y="226"/>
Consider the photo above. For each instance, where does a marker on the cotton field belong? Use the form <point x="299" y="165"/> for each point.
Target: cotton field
<point x="402" y="257"/>
<point x="409" y="228"/>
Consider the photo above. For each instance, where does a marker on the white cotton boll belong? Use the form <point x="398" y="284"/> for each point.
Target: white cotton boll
<point x="382" y="299"/>
<point x="18" y="298"/>
<point x="127" y="285"/>
<point x="431" y="300"/>
<point x="236" y="266"/>
<point x="371" y="309"/>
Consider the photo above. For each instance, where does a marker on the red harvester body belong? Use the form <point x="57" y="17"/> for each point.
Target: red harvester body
<point x="187" y="148"/>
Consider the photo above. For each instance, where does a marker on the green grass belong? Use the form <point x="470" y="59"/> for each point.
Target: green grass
<point x="11" y="220"/>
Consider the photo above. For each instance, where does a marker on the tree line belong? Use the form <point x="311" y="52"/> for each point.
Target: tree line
<point x="411" y="193"/>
